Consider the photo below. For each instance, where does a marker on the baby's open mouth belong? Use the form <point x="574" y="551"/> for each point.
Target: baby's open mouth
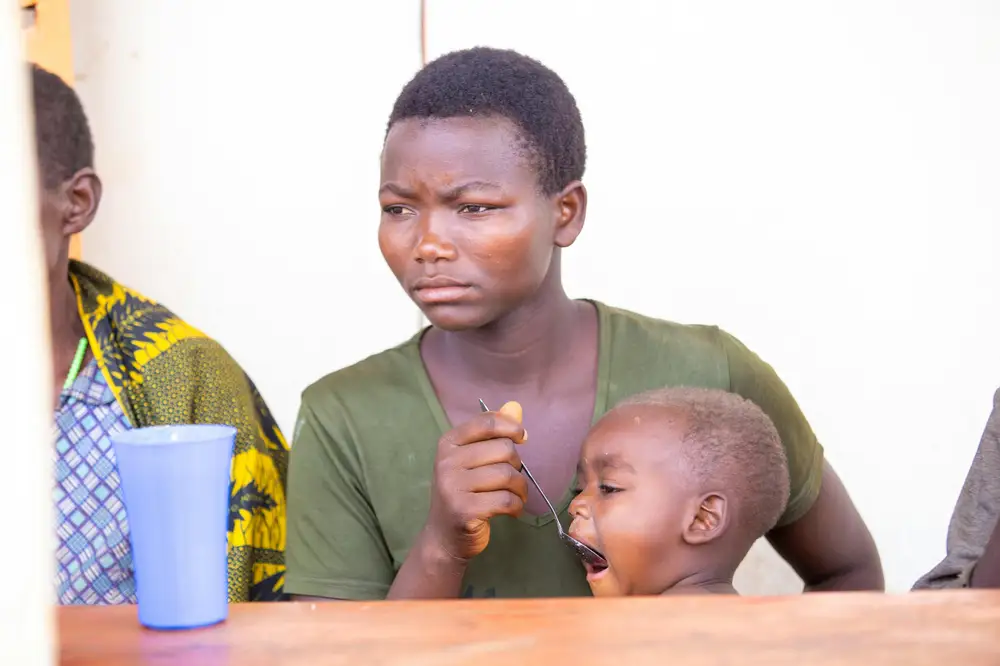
<point x="595" y="569"/>
<point x="593" y="560"/>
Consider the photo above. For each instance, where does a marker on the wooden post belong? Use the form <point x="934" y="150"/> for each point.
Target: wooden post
<point x="26" y="605"/>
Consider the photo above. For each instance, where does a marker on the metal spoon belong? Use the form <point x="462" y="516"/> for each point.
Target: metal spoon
<point x="586" y="553"/>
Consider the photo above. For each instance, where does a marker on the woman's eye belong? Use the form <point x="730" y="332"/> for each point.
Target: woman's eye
<point x="475" y="209"/>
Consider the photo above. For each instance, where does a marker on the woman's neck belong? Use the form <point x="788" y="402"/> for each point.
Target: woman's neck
<point x="521" y="348"/>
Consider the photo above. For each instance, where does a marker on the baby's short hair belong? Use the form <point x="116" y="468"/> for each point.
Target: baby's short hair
<point x="730" y="443"/>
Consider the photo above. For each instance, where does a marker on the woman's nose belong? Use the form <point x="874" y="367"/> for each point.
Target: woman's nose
<point x="432" y="245"/>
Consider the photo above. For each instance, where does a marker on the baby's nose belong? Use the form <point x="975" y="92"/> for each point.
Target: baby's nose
<point x="578" y="508"/>
<point x="581" y="528"/>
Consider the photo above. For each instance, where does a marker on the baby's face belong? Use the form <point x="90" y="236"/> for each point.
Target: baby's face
<point x="632" y="501"/>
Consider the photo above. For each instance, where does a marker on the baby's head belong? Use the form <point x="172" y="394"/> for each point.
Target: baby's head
<point x="675" y="486"/>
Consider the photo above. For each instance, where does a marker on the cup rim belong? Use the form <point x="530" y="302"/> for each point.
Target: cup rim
<point x="186" y="433"/>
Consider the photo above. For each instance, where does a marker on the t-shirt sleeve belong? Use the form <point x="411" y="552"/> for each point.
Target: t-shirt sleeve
<point x="975" y="514"/>
<point x="757" y="381"/>
<point x="335" y="547"/>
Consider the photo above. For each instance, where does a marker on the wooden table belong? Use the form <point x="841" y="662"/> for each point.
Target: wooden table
<point x="941" y="628"/>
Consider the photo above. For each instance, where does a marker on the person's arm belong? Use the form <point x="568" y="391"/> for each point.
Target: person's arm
<point x="830" y="547"/>
<point x="257" y="503"/>
<point x="216" y="390"/>
<point x="986" y="572"/>
<point x="821" y="535"/>
<point x="427" y="573"/>
<point x="973" y="547"/>
<point x="335" y="546"/>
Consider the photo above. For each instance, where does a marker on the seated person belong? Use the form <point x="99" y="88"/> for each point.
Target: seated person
<point x="121" y="361"/>
<point x="973" y="558"/>
<point x="675" y="486"/>
<point x="396" y="482"/>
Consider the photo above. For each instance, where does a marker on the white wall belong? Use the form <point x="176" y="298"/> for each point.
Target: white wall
<point x="26" y="627"/>
<point x="239" y="146"/>
<point x="818" y="178"/>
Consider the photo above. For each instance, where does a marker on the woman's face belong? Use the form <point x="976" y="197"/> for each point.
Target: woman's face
<point x="465" y="227"/>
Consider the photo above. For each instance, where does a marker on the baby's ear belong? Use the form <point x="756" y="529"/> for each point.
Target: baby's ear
<point x="707" y="520"/>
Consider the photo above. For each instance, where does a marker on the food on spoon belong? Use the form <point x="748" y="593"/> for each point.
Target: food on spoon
<point x="513" y="410"/>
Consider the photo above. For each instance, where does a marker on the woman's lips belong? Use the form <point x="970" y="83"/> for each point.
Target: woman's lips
<point x="439" y="289"/>
<point x="441" y="295"/>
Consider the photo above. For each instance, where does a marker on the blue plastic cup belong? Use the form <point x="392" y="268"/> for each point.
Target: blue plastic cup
<point x="175" y="482"/>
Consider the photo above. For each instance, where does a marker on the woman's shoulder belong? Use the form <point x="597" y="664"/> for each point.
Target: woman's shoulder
<point x="380" y="405"/>
<point x="639" y="353"/>
<point x="379" y="377"/>
<point x="632" y="328"/>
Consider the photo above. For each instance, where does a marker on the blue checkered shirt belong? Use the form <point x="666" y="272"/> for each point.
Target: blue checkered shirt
<point x="93" y="556"/>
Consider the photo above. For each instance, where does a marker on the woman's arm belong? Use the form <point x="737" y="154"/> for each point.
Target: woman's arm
<point x="830" y="547"/>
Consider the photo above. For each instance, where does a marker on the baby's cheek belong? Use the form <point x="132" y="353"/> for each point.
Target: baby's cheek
<point x="621" y="538"/>
<point x="638" y="549"/>
<point x="621" y="529"/>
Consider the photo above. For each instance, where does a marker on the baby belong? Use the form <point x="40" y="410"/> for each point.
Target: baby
<point x="675" y="486"/>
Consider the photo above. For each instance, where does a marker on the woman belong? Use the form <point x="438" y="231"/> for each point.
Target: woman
<point x="122" y="361"/>
<point x="480" y="193"/>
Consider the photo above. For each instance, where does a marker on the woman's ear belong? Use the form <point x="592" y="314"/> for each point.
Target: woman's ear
<point x="708" y="520"/>
<point x="571" y="211"/>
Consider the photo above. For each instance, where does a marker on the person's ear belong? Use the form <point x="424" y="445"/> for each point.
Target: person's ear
<point x="707" y="520"/>
<point x="81" y="196"/>
<point x="571" y="212"/>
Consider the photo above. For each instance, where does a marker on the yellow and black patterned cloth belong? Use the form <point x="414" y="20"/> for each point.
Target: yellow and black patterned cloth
<point x="165" y="372"/>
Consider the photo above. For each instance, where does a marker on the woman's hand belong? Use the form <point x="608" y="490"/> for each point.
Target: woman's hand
<point x="477" y="475"/>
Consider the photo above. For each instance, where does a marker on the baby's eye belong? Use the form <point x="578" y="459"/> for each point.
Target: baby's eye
<point x="608" y="489"/>
<point x="576" y="491"/>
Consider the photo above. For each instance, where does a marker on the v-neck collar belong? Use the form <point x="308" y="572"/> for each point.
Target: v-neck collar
<point x="600" y="399"/>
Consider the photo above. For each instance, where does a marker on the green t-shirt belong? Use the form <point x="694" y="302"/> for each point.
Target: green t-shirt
<point x="363" y="456"/>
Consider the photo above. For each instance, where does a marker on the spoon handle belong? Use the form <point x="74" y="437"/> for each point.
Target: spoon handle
<point x="527" y="473"/>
